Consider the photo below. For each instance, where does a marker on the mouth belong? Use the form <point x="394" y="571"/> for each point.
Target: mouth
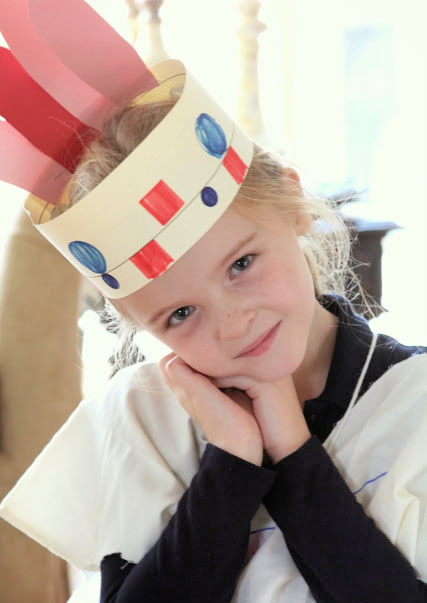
<point x="261" y="344"/>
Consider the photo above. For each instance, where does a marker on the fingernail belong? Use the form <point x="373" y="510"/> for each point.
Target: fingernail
<point x="168" y="363"/>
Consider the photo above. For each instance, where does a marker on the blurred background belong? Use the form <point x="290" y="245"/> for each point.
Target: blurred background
<point x="341" y="92"/>
<point x="338" y="88"/>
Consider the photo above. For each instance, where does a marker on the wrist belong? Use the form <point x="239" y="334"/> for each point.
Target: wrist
<point x="280" y="418"/>
<point x="249" y="455"/>
<point x="280" y="451"/>
<point x="249" y="450"/>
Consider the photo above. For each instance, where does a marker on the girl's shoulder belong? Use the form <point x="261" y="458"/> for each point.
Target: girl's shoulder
<point x="134" y="396"/>
<point x="352" y="345"/>
<point x="142" y="377"/>
<point x="380" y="449"/>
<point x="130" y="452"/>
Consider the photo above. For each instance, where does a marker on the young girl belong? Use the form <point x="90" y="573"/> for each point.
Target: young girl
<point x="278" y="453"/>
<point x="265" y="362"/>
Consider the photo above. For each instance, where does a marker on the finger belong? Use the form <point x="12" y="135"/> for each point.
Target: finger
<point x="181" y="373"/>
<point x="184" y="380"/>
<point x="240" y="382"/>
<point x="162" y="367"/>
<point x="167" y="367"/>
<point x="240" y="398"/>
<point x="163" y="361"/>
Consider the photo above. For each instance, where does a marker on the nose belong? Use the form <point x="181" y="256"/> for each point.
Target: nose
<point x="235" y="323"/>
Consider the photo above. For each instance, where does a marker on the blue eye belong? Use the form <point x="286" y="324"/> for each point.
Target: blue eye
<point x="243" y="263"/>
<point x="180" y="315"/>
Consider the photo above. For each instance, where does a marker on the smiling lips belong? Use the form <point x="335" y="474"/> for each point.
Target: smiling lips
<point x="261" y="344"/>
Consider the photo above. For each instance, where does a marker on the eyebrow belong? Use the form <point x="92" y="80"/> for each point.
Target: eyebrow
<point x="235" y="249"/>
<point x="223" y="261"/>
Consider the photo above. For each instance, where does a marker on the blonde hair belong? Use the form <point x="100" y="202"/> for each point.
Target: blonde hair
<point x="269" y="188"/>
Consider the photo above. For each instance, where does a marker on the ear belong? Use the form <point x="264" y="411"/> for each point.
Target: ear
<point x="291" y="178"/>
<point x="302" y="219"/>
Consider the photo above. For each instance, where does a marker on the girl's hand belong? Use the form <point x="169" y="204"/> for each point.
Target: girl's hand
<point x="278" y="412"/>
<point x="226" y="418"/>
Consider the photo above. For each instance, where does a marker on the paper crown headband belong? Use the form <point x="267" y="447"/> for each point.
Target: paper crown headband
<point x="166" y="194"/>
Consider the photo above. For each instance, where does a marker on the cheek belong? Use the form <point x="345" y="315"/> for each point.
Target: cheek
<point x="204" y="362"/>
<point x="197" y="350"/>
<point x="290" y="286"/>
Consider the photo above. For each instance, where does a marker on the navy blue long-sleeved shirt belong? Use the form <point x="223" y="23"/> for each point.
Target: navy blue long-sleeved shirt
<point x="340" y="552"/>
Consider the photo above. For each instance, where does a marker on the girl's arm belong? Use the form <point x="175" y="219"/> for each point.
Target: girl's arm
<point x="202" y="550"/>
<point x="338" y="549"/>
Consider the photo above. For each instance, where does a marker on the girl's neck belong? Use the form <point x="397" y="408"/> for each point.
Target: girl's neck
<point x="310" y="377"/>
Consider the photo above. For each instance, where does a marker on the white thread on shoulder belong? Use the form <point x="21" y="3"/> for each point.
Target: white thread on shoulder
<point x="355" y="393"/>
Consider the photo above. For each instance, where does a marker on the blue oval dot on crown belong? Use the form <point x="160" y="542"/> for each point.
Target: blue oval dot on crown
<point x="211" y="136"/>
<point x="111" y="281"/>
<point x="88" y="255"/>
<point x="209" y="196"/>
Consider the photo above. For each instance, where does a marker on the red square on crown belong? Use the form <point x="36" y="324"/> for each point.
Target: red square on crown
<point x="235" y="166"/>
<point x="152" y="259"/>
<point x="162" y="202"/>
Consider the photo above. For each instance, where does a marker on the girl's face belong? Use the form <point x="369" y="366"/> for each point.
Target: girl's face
<point x="239" y="303"/>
